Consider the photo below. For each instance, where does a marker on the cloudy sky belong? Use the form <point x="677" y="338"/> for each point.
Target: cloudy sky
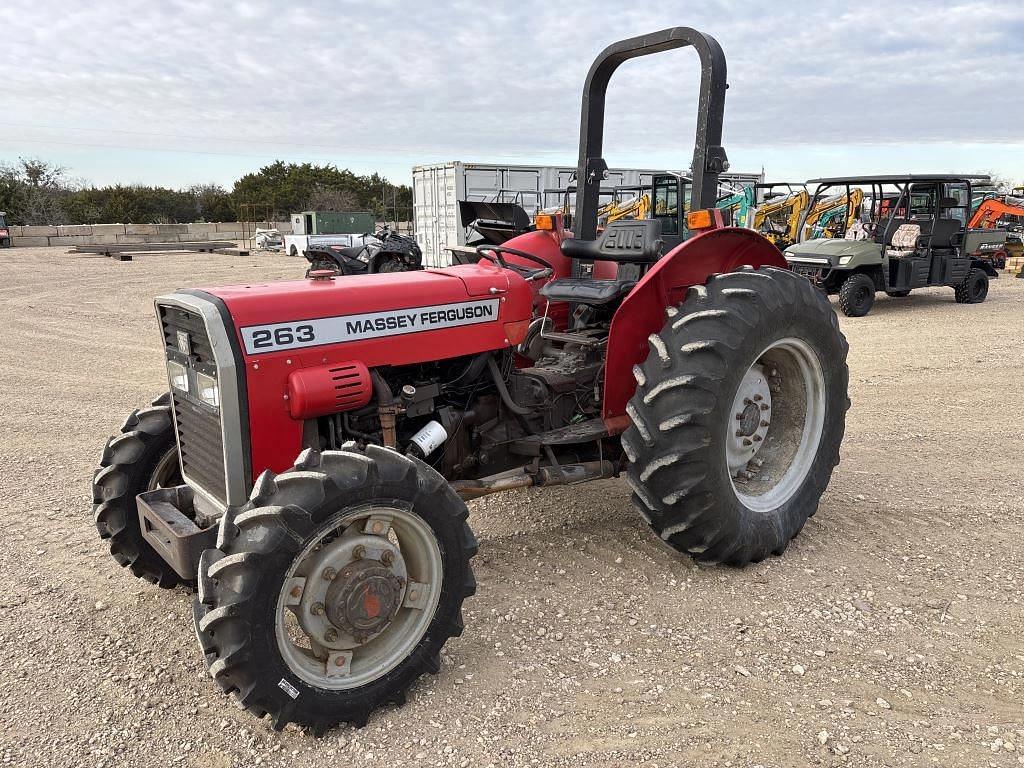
<point x="183" y="92"/>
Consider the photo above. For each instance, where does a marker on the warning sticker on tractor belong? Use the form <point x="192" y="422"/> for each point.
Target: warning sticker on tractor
<point x="371" y="325"/>
<point x="288" y="688"/>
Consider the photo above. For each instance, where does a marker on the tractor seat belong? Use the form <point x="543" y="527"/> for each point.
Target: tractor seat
<point x="944" y="233"/>
<point x="586" y="290"/>
<point x="632" y="244"/>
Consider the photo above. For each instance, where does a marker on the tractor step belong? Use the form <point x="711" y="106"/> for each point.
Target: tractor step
<point x="581" y="432"/>
<point x="167" y="528"/>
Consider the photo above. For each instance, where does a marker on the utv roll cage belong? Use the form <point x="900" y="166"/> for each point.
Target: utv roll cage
<point x="874" y="187"/>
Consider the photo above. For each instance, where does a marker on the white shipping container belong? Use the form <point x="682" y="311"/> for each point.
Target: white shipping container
<point x="437" y="189"/>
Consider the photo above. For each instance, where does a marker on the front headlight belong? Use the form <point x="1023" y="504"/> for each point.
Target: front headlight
<point x="178" y="375"/>
<point x="209" y="390"/>
<point x="844" y="260"/>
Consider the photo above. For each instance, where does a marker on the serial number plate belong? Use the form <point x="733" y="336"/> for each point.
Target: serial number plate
<point x="344" y="328"/>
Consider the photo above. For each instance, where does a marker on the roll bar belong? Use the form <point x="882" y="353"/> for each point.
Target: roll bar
<point x="709" y="159"/>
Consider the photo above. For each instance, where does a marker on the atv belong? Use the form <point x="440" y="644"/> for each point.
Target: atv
<point x="382" y="251"/>
<point x="899" y="233"/>
<point x="307" y="472"/>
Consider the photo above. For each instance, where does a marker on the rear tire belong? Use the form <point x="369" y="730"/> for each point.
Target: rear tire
<point x="277" y="659"/>
<point x="689" y="410"/>
<point x="974" y="288"/>
<point x="142" y="458"/>
<point x="857" y="295"/>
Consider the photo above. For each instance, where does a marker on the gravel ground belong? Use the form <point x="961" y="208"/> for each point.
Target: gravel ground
<point x="888" y="635"/>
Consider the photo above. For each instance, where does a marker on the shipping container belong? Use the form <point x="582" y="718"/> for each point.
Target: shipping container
<point x="438" y="188"/>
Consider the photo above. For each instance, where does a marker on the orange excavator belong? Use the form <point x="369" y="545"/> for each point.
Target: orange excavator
<point x="992" y="210"/>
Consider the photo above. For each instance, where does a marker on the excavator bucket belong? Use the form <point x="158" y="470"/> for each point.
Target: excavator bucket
<point x="495" y="222"/>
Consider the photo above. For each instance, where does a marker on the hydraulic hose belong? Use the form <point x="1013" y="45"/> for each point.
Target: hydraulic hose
<point x="506" y="398"/>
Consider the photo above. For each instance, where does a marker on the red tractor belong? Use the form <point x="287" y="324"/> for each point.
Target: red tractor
<point x="307" y="469"/>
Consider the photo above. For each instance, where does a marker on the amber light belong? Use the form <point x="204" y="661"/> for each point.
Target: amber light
<point x="701" y="219"/>
<point x="545" y="222"/>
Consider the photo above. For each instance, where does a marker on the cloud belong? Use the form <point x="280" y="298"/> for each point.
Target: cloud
<point x="474" y="80"/>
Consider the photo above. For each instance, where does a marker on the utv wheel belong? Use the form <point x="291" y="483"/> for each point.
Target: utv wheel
<point x="857" y="295"/>
<point x="334" y="589"/>
<point x="897" y="294"/>
<point x="143" y="457"/>
<point x="738" y="416"/>
<point x="974" y="288"/>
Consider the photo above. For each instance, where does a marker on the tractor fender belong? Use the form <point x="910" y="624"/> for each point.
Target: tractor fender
<point x="642" y="312"/>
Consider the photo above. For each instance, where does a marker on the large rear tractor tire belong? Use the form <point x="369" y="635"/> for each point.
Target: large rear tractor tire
<point x="974" y="288"/>
<point x="142" y="458"/>
<point x="738" y="416"/>
<point x="335" y="588"/>
<point x="857" y="295"/>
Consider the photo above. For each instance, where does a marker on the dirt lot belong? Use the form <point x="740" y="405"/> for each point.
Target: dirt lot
<point x="890" y="633"/>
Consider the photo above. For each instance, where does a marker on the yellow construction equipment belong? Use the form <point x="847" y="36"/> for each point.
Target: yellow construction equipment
<point x="833" y="216"/>
<point x="634" y="208"/>
<point x="778" y="219"/>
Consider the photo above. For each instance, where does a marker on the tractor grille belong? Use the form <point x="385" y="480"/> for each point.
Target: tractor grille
<point x="200" y="439"/>
<point x="201" y="445"/>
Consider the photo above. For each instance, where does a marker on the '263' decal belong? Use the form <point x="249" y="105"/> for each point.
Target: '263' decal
<point x="282" y="336"/>
<point x="340" y="329"/>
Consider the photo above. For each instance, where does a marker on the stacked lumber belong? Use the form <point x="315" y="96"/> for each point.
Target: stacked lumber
<point x="1015" y="266"/>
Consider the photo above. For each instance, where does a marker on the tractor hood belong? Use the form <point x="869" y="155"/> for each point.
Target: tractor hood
<point x="831" y="251"/>
<point x="381" y="319"/>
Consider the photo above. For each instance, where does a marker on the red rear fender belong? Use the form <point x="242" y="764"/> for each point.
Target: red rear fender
<point x="642" y="312"/>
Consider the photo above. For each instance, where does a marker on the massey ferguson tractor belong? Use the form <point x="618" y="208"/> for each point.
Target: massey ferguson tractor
<point x="308" y="468"/>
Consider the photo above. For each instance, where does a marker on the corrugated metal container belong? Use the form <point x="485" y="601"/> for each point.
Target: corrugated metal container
<point x="437" y="189"/>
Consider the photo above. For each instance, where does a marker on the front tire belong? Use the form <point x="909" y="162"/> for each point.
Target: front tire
<point x="974" y="288"/>
<point x="142" y="458"/>
<point x="335" y="588"/>
<point x="857" y="295"/>
<point x="738" y="416"/>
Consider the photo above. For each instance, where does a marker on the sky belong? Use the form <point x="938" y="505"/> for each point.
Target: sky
<point x="183" y="92"/>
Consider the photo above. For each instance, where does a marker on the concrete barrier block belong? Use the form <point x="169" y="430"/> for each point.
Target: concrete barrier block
<point x="14" y="231"/>
<point x="68" y="230"/>
<point x="102" y="239"/>
<point x="108" y="229"/>
<point x="201" y="228"/>
<point x="229" y="226"/>
<point x="41" y="231"/>
<point x="71" y="240"/>
<point x="140" y="229"/>
<point x="30" y="242"/>
<point x="236" y="236"/>
<point x="130" y="238"/>
<point x="171" y="229"/>
<point x="284" y="227"/>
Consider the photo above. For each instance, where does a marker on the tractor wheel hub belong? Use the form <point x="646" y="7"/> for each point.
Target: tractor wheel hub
<point x="364" y="598"/>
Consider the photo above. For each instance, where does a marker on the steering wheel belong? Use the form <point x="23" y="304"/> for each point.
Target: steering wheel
<point x="529" y="274"/>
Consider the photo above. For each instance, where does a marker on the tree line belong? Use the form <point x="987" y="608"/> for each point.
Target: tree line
<point x="37" y="192"/>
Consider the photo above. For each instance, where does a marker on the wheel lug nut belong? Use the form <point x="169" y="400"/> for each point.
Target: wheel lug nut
<point x="746" y="441"/>
<point x="757" y="438"/>
<point x="317" y="609"/>
<point x="747" y="401"/>
<point x="330" y="574"/>
<point x="331" y="636"/>
<point x="758" y="398"/>
<point x="764" y="423"/>
<point x="359" y="552"/>
<point x="386" y="558"/>
<point x="739" y="417"/>
<point x="764" y="406"/>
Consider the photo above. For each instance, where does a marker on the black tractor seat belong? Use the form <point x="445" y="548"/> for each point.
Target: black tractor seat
<point x="633" y="245"/>
<point x="586" y="290"/>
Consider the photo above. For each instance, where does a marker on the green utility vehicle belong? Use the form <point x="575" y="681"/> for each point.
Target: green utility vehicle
<point x="910" y="232"/>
